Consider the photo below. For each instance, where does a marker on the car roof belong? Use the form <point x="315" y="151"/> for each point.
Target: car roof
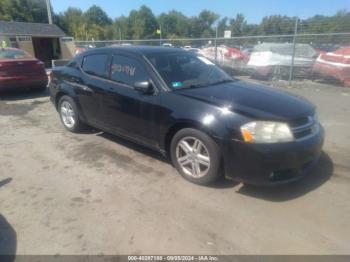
<point x="137" y="49"/>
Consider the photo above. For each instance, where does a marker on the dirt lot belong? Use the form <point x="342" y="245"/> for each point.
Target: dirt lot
<point x="93" y="193"/>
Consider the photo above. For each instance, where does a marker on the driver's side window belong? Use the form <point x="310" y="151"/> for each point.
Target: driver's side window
<point x="127" y="70"/>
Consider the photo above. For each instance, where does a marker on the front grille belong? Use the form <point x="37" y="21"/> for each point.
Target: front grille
<point x="304" y="126"/>
<point x="299" y="121"/>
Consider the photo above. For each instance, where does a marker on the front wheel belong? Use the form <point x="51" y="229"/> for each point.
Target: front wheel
<point x="196" y="156"/>
<point x="69" y="114"/>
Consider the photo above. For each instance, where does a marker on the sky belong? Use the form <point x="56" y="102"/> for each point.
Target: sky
<point x="254" y="10"/>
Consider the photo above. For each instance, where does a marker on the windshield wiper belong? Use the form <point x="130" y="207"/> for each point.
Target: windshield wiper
<point x="222" y="82"/>
<point x="205" y="84"/>
<point x="198" y="85"/>
<point x="193" y="86"/>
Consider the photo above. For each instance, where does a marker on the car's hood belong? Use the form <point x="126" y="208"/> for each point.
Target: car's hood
<point x="252" y="100"/>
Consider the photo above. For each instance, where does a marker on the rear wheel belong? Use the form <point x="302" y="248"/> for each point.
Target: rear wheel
<point x="69" y="114"/>
<point x="196" y="156"/>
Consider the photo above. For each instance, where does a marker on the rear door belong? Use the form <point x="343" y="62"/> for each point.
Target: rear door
<point x="90" y="87"/>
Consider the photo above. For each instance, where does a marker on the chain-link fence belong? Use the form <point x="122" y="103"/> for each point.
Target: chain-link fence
<point x="294" y="57"/>
<point x="278" y="49"/>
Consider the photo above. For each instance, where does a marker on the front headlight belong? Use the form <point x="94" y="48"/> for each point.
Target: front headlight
<point x="266" y="132"/>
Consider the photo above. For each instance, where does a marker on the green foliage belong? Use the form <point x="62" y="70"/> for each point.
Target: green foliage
<point x="143" y="24"/>
<point x="237" y="25"/>
<point x="71" y="20"/>
<point x="174" y="24"/>
<point x="202" y="25"/>
<point x="23" y="10"/>
<point x="96" y="16"/>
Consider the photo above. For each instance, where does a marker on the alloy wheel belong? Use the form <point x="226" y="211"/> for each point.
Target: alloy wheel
<point x="193" y="157"/>
<point x="67" y="114"/>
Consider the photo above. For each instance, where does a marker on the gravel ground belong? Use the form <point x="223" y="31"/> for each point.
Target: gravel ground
<point x="93" y="193"/>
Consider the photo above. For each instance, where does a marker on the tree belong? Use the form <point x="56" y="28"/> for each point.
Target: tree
<point x="121" y="28"/>
<point x="23" y="11"/>
<point x="93" y="24"/>
<point x="174" y="24"/>
<point x="202" y="25"/>
<point x="142" y="23"/>
<point x="71" y="21"/>
<point x="222" y="26"/>
<point x="237" y="25"/>
<point x="96" y="16"/>
<point x="277" y="25"/>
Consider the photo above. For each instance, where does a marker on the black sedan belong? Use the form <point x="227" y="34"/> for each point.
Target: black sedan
<point x="184" y="106"/>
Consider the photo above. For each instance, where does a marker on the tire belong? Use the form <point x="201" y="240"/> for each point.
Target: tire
<point x="75" y="125"/>
<point x="198" y="156"/>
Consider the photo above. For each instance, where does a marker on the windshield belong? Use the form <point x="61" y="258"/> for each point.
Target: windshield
<point x="12" y="54"/>
<point x="186" y="70"/>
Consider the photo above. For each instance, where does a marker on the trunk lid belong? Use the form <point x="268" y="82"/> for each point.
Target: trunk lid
<point x="21" y="67"/>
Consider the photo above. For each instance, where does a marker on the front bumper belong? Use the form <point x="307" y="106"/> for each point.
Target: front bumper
<point x="271" y="164"/>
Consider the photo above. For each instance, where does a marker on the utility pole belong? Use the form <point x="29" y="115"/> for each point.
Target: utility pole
<point x="48" y="8"/>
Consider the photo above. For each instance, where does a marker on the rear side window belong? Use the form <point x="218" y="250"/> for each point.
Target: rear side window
<point x="13" y="54"/>
<point x="95" y="65"/>
<point x="127" y="70"/>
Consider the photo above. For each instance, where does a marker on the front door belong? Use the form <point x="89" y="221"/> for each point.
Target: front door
<point x="127" y="110"/>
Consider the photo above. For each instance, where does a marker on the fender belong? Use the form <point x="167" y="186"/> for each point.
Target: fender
<point x="67" y="88"/>
<point x="208" y="118"/>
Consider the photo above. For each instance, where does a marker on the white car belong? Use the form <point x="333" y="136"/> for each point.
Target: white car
<point x="167" y="45"/>
<point x="275" y="58"/>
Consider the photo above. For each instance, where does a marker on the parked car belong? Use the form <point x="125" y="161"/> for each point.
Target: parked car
<point x="247" y="51"/>
<point x="191" y="49"/>
<point x="18" y="69"/>
<point x="182" y="105"/>
<point x="79" y="50"/>
<point x="325" y="48"/>
<point x="334" y="65"/>
<point x="167" y="45"/>
<point x="274" y="60"/>
<point x="227" y="57"/>
<point x="82" y="48"/>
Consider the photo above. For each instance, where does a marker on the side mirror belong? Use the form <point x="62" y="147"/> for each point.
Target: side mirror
<point x="144" y="87"/>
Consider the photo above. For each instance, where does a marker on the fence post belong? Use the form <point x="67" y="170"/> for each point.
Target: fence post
<point x="293" y="54"/>
<point x="160" y="35"/>
<point x="216" y="44"/>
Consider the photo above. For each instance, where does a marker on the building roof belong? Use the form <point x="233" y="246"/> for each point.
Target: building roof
<point x="30" y="29"/>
